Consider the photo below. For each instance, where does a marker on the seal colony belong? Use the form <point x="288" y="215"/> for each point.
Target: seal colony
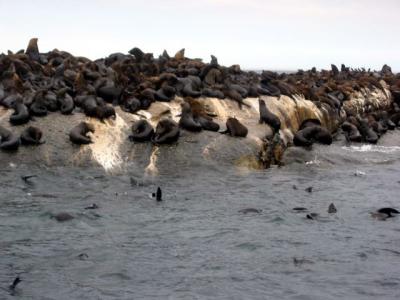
<point x="35" y="84"/>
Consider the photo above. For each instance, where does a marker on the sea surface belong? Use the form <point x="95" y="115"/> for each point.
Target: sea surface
<point x="196" y="244"/>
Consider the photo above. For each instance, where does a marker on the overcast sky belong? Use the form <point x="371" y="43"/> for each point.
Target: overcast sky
<point x="257" y="34"/>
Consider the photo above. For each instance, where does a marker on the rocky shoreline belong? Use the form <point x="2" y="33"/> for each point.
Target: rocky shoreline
<point x="187" y="95"/>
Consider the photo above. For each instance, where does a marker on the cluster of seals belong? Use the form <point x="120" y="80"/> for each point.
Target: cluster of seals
<point x="35" y="84"/>
<point x="192" y="119"/>
<point x="9" y="141"/>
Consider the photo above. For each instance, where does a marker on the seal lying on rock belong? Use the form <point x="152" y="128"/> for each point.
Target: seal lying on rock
<point x="167" y="132"/>
<point x="235" y="128"/>
<point x="311" y="133"/>
<point x="31" y="136"/>
<point x="21" y="113"/>
<point x="142" y="131"/>
<point x="187" y="121"/>
<point x="202" y="116"/>
<point x="78" y="136"/>
<point x="8" y="140"/>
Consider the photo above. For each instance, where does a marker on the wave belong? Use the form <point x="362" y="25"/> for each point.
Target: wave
<point x="372" y="148"/>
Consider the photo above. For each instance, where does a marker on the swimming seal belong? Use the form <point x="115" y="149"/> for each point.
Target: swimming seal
<point x="187" y="121"/>
<point x="8" y="140"/>
<point x="142" y="131"/>
<point x="332" y="208"/>
<point x="15" y="283"/>
<point x="78" y="136"/>
<point x="21" y="113"/>
<point x="167" y="132"/>
<point x="388" y="211"/>
<point x="268" y="117"/>
<point x="158" y="194"/>
<point x="31" y="136"/>
<point x="92" y="206"/>
<point x="384" y="213"/>
<point x="235" y="128"/>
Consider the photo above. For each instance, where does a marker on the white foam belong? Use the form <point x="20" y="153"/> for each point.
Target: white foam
<point x="151" y="169"/>
<point x="313" y="162"/>
<point x="108" y="138"/>
<point x="372" y="148"/>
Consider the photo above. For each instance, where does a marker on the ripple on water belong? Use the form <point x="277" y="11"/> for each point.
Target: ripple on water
<point x="195" y="245"/>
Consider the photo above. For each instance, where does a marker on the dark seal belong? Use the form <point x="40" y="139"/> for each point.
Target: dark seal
<point x="77" y="134"/>
<point x="142" y="131"/>
<point x="21" y="113"/>
<point x="235" y="128"/>
<point x="8" y="140"/>
<point x="31" y="136"/>
<point x="167" y="132"/>
<point x="187" y="121"/>
<point x="268" y="117"/>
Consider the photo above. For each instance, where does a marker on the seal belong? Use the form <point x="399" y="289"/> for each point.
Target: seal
<point x="8" y="140"/>
<point x="206" y="123"/>
<point x="208" y="92"/>
<point x="332" y="208"/>
<point x="268" y="117"/>
<point x="21" y="113"/>
<point x="131" y="105"/>
<point x="234" y="95"/>
<point x="110" y="94"/>
<point x="142" y="131"/>
<point x="384" y="213"/>
<point x="367" y="133"/>
<point x="78" y="136"/>
<point x="33" y="50"/>
<point x="65" y="101"/>
<point x="92" y="206"/>
<point x="167" y="132"/>
<point x="38" y="107"/>
<point x="15" y="283"/>
<point x="235" y="128"/>
<point x="351" y="132"/>
<point x="187" y="121"/>
<point x="106" y="111"/>
<point x="388" y="211"/>
<point x="158" y="194"/>
<point x="31" y="136"/>
<point x="310" y="134"/>
<point x="189" y="85"/>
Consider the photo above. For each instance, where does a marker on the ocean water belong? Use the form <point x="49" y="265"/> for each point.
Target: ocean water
<point x="196" y="244"/>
